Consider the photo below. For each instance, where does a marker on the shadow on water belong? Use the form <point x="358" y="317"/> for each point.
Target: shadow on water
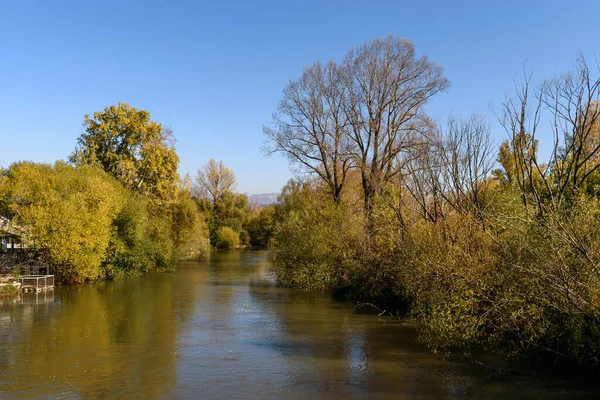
<point x="224" y="329"/>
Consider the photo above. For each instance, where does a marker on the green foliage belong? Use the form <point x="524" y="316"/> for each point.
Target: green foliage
<point x="521" y="289"/>
<point x="206" y="208"/>
<point x="67" y="212"/>
<point x="158" y="223"/>
<point x="230" y="210"/>
<point x="132" y="148"/>
<point x="163" y="252"/>
<point x="9" y="290"/>
<point x="447" y="280"/>
<point x="261" y="226"/>
<point x="227" y="238"/>
<point x="118" y="211"/>
<point x="311" y="241"/>
<point x="129" y="250"/>
<point x="88" y="226"/>
<point x="189" y="231"/>
<point x="244" y="238"/>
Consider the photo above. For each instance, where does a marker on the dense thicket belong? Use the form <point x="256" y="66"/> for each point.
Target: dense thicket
<point x="505" y="259"/>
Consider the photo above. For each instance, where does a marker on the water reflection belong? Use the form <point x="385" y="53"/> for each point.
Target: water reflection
<point x="98" y="340"/>
<point x="44" y="297"/>
<point x="223" y="329"/>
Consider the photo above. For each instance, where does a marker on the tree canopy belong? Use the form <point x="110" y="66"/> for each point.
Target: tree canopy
<point x="213" y="180"/>
<point x="132" y="148"/>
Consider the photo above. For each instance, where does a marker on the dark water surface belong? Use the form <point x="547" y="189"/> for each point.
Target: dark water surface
<point x="223" y="330"/>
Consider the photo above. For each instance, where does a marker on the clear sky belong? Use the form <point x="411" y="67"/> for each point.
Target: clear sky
<point x="214" y="71"/>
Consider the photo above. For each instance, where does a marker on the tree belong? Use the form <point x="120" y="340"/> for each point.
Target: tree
<point x="389" y="87"/>
<point x="468" y="159"/>
<point x="364" y="113"/>
<point x="189" y="230"/>
<point x="512" y="267"/>
<point x="570" y="102"/>
<point x="66" y="212"/>
<point x="311" y="127"/>
<point x="213" y="180"/>
<point x="227" y="238"/>
<point x="232" y="210"/>
<point x="128" y="145"/>
<point x="311" y="237"/>
<point x="261" y="225"/>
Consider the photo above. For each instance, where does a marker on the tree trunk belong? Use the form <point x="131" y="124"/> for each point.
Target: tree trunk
<point x="369" y="197"/>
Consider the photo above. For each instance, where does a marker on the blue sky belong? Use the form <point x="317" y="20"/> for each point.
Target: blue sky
<point x="214" y="71"/>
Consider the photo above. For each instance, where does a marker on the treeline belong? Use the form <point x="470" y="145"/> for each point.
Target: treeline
<point x="487" y="246"/>
<point x="231" y="221"/>
<point x="116" y="209"/>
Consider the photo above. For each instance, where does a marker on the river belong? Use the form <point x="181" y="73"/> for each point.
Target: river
<point x="224" y="330"/>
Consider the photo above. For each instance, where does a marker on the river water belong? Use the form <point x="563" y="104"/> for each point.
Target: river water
<point x="223" y="330"/>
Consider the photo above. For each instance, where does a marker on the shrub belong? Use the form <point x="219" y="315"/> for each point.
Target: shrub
<point x="313" y="239"/>
<point x="227" y="238"/>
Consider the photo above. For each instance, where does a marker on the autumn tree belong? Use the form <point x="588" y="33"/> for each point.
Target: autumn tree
<point x="516" y="158"/>
<point x="128" y="145"/>
<point x="592" y="185"/>
<point x="213" y="180"/>
<point x="67" y="214"/>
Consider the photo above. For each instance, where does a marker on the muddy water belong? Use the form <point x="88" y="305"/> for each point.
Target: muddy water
<point x="223" y="330"/>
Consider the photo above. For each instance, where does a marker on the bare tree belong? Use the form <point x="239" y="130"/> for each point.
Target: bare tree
<point x="310" y="126"/>
<point x="423" y="177"/>
<point x="469" y="156"/>
<point x="570" y="102"/>
<point x="450" y="168"/>
<point x="362" y="113"/>
<point x="384" y="105"/>
<point x="213" y="180"/>
<point x="519" y="155"/>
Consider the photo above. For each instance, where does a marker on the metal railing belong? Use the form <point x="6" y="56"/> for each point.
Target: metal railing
<point x="36" y="282"/>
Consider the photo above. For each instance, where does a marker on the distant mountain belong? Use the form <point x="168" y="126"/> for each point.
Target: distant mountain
<point x="263" y="199"/>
